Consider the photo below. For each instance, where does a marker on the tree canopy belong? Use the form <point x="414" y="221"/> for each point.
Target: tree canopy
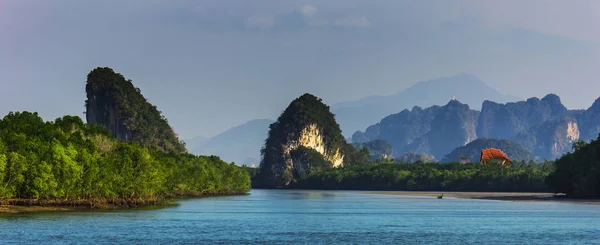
<point x="69" y="159"/>
<point x="577" y="173"/>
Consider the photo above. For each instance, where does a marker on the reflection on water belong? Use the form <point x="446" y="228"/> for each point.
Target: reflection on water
<point x="316" y="217"/>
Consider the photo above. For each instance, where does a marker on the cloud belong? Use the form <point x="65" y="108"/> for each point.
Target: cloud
<point x="308" y="10"/>
<point x="352" y="22"/>
<point x="260" y="21"/>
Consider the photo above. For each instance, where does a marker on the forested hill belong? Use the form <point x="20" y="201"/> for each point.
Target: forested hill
<point x="75" y="162"/>
<point x="304" y="140"/>
<point x="472" y="150"/>
<point x="113" y="102"/>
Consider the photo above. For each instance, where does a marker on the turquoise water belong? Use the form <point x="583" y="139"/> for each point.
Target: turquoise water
<point x="316" y="217"/>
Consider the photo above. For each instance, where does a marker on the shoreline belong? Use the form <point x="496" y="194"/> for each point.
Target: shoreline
<point x="498" y="196"/>
<point x="19" y="206"/>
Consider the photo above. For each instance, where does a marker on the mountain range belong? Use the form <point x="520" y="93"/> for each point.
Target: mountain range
<point x="544" y="126"/>
<point x="467" y="88"/>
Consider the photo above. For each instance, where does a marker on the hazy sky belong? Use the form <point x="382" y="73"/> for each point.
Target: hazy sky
<point x="210" y="65"/>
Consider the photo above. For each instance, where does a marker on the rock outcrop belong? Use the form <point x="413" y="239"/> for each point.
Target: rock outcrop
<point x="589" y="122"/>
<point x="544" y="127"/>
<point x="114" y="103"/>
<point x="550" y="139"/>
<point x="304" y="139"/>
<point x="507" y="120"/>
<point x="435" y="130"/>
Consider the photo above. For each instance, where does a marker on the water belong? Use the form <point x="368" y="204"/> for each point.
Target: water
<point x="316" y="217"/>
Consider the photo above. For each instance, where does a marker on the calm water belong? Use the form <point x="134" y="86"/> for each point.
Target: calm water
<point x="316" y="217"/>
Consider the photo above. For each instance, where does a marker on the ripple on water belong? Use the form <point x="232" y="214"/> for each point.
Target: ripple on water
<point x="316" y="217"/>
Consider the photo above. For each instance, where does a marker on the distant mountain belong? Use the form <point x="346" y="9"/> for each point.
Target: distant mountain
<point x="506" y="120"/>
<point x="377" y="149"/>
<point x="589" y="122"/>
<point x="240" y="144"/>
<point x="435" y="130"/>
<point x="357" y="115"/>
<point x="544" y="127"/>
<point x="195" y="143"/>
<point x="472" y="151"/>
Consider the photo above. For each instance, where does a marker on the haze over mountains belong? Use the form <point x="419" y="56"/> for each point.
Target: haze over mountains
<point x="543" y="126"/>
<point x="357" y="115"/>
<point x="242" y="143"/>
<point x="433" y="118"/>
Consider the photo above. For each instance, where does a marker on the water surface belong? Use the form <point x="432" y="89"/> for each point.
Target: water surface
<point x="316" y="217"/>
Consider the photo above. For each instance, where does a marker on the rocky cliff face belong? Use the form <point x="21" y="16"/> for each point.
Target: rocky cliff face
<point x="304" y="139"/>
<point x="435" y="130"/>
<point x="312" y="138"/>
<point x="551" y="139"/>
<point x="545" y="127"/>
<point x="589" y="122"/>
<point x="506" y="120"/>
<point x="102" y="109"/>
<point x="114" y="103"/>
<point x="454" y="125"/>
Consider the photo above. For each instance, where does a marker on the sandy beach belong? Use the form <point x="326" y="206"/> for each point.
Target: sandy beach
<point x="502" y="196"/>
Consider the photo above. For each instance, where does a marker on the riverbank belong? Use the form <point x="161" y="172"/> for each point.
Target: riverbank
<point x="66" y="205"/>
<point x="22" y="205"/>
<point x="501" y="196"/>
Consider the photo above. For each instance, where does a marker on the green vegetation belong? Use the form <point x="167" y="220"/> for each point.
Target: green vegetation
<point x="73" y="161"/>
<point x="354" y="157"/>
<point x="115" y="103"/>
<point x="302" y="112"/>
<point x="415" y="157"/>
<point x="472" y="151"/>
<point x="520" y="177"/>
<point x="577" y="173"/>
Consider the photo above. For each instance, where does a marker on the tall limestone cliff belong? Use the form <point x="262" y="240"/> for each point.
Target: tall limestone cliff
<point x="550" y="139"/>
<point x="434" y="130"/>
<point x="304" y="139"/>
<point x="506" y="120"/>
<point x="589" y="122"/>
<point x="113" y="102"/>
<point x="543" y="126"/>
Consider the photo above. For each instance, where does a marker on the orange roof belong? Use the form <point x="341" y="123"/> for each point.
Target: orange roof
<point x="492" y="153"/>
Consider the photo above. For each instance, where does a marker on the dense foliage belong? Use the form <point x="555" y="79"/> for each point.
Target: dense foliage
<point x="354" y="156"/>
<point x="303" y="111"/>
<point x="69" y="159"/>
<point x="414" y="157"/>
<point x="108" y="91"/>
<point x="577" y="173"/>
<point x="472" y="151"/>
<point x="432" y="177"/>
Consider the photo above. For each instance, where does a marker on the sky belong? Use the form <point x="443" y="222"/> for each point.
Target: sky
<point x="209" y="65"/>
